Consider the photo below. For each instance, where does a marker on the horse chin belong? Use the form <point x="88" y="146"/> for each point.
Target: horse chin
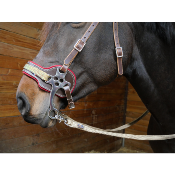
<point x="47" y="122"/>
<point x="43" y="121"/>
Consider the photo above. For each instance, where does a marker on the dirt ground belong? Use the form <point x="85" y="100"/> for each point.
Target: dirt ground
<point x="127" y="150"/>
<point x="121" y="150"/>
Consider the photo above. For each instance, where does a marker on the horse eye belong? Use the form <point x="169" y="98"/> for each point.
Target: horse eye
<point x="77" y="24"/>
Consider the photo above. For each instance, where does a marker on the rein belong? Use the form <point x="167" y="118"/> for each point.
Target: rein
<point x="60" y="80"/>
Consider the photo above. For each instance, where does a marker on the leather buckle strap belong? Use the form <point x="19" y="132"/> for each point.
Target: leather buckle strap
<point x="119" y="52"/>
<point x="79" y="45"/>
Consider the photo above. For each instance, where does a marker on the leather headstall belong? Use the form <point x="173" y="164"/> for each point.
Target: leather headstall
<point x="59" y="80"/>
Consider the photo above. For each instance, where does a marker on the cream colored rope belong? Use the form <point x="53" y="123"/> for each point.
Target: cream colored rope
<point x="129" y="124"/>
<point x="74" y="124"/>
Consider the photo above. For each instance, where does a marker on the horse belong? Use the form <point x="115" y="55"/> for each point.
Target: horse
<point x="148" y="64"/>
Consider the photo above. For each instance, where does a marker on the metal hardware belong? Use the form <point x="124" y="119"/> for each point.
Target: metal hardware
<point x="56" y="84"/>
<point x="79" y="50"/>
<point x="119" y="56"/>
<point x="59" y="116"/>
<point x="71" y="105"/>
<point x="66" y="122"/>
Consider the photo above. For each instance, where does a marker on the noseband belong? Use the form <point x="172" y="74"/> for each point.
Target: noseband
<point x="59" y="80"/>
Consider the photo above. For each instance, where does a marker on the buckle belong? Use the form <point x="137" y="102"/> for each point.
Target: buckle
<point x="71" y="105"/>
<point x="79" y="45"/>
<point x="121" y="51"/>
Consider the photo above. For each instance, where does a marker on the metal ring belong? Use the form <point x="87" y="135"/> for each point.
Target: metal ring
<point x="66" y="122"/>
<point x="57" y="116"/>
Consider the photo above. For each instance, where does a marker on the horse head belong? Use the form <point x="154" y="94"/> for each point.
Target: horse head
<point x="94" y="66"/>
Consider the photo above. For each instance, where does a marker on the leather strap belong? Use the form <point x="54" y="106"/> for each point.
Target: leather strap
<point x="78" y="47"/>
<point x="119" y="51"/>
<point x="81" y="43"/>
<point x="69" y="97"/>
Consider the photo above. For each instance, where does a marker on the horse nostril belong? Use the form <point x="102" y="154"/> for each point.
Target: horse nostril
<point x="23" y="104"/>
<point x="20" y="103"/>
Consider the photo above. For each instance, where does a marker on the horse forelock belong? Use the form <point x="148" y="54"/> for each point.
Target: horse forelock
<point x="164" y="30"/>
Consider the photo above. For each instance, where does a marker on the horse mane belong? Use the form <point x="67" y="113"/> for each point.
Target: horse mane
<point x="46" y="29"/>
<point x="164" y="30"/>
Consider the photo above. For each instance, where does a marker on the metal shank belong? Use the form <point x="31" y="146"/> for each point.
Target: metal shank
<point x="57" y="82"/>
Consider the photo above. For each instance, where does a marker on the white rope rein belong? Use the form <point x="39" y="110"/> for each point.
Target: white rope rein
<point x="110" y="132"/>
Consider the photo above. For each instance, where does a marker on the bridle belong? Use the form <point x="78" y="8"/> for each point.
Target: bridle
<point x="60" y="80"/>
<point x="57" y="77"/>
